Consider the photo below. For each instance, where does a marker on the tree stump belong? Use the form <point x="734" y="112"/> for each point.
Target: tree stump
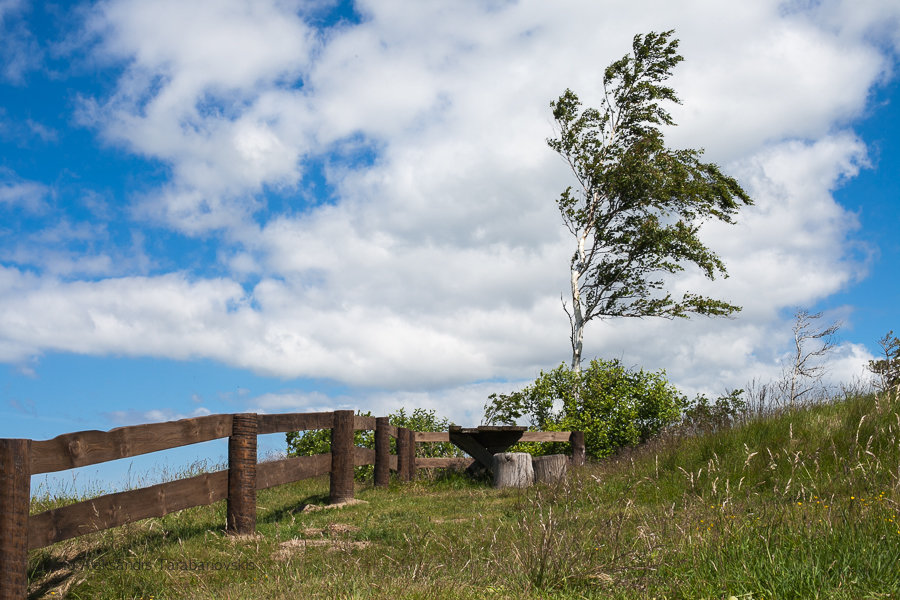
<point x="550" y="469"/>
<point x="512" y="469"/>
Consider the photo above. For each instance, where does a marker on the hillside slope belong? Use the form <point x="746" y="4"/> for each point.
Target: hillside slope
<point x="800" y="504"/>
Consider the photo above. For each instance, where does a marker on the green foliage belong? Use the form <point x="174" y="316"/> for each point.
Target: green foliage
<point x="613" y="406"/>
<point x="702" y="415"/>
<point x="637" y="212"/>
<point x="318" y="441"/>
<point x="425" y="420"/>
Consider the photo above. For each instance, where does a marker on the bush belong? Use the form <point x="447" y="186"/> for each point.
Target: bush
<point x="613" y="406"/>
<point x="318" y="441"/>
<point x="700" y="415"/>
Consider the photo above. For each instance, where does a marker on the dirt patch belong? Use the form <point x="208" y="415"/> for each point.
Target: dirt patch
<point x="291" y="547"/>
<point x="315" y="507"/>
<point x="244" y="537"/>
<point x="341" y="528"/>
<point x="331" y="529"/>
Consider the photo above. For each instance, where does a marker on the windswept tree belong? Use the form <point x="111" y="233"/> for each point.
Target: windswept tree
<point x="638" y="205"/>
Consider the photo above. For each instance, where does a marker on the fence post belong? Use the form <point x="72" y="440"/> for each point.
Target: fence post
<point x="403" y="453"/>
<point x="241" y="511"/>
<point x="382" y="452"/>
<point x="411" y="462"/>
<point x="15" y="501"/>
<point x="342" y="459"/>
<point x="578" y="451"/>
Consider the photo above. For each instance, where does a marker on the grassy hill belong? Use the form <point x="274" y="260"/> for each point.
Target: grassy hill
<point x="801" y="503"/>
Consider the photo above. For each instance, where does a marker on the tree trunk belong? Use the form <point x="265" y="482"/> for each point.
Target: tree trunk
<point x="577" y="317"/>
<point x="578" y="449"/>
<point x="550" y="469"/>
<point x="512" y="469"/>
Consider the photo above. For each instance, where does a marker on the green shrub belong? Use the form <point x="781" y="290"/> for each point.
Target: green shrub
<point x="613" y="406"/>
<point x="318" y="441"/>
<point x="701" y="415"/>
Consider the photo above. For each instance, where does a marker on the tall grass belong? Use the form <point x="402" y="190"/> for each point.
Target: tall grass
<point x="799" y="502"/>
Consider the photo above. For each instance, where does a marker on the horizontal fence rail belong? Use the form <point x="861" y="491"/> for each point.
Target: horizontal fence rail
<point x="86" y="448"/>
<point x="237" y="485"/>
<point x="294" y="422"/>
<point x="526" y="436"/>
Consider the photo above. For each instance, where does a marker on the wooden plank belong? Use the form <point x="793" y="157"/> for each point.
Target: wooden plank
<point x="342" y="457"/>
<point x="83" y="448"/>
<point x="382" y="452"/>
<point x="287" y="470"/>
<point x="471" y="447"/>
<point x="392" y="462"/>
<point x="363" y="456"/>
<point x="487" y="429"/>
<point x="363" y="423"/>
<point x="392" y="430"/>
<point x="294" y="422"/>
<point x="545" y="436"/>
<point x="411" y="448"/>
<point x="527" y="436"/>
<point x="432" y="436"/>
<point x="497" y="441"/>
<point x="403" y="442"/>
<point x="578" y="449"/>
<point x="240" y="514"/>
<point x="113" y="510"/>
<point x="436" y="463"/>
<point x="15" y="499"/>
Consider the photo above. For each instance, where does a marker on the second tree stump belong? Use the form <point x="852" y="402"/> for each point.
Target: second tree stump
<point x="550" y="469"/>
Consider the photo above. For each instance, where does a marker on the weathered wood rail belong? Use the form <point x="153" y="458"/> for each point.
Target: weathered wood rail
<point x="238" y="484"/>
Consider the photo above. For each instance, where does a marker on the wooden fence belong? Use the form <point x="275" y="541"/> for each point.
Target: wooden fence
<point x="22" y="458"/>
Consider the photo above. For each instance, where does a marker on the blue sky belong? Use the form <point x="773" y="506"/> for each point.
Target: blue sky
<point x="282" y="206"/>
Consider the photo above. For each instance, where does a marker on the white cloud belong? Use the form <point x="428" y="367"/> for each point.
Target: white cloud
<point x="298" y="402"/>
<point x="462" y="405"/>
<point x="157" y="415"/>
<point x="15" y="192"/>
<point x="875" y="20"/>
<point x="20" y="52"/>
<point x="193" y="95"/>
<point x="71" y="249"/>
<point x="442" y="259"/>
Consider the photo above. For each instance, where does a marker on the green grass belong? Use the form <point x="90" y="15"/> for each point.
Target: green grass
<point x="800" y="504"/>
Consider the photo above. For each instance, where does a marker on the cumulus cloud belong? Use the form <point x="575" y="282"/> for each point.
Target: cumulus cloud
<point x="441" y="258"/>
<point x="20" y="52"/>
<point x="17" y="193"/>
<point x="200" y="91"/>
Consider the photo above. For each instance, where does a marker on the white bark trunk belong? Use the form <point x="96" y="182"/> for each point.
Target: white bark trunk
<point x="578" y="264"/>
